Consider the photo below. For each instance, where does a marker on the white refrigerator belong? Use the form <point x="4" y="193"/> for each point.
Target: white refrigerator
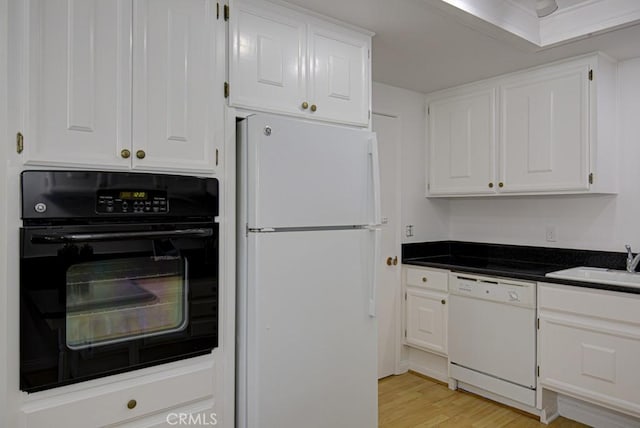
<point x="308" y="204"/>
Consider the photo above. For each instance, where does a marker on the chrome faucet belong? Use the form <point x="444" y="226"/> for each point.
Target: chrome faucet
<point x="632" y="261"/>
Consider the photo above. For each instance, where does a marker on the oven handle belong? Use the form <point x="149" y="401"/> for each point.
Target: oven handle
<point x="121" y="236"/>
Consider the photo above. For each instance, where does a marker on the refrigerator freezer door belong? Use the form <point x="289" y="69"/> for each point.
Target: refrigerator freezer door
<point x="305" y="174"/>
<point x="311" y="345"/>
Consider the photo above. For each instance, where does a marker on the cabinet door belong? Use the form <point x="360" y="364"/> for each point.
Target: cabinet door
<point x="427" y="320"/>
<point x="591" y="359"/>
<point x="544" y="137"/>
<point x="177" y="103"/>
<point x="462" y="144"/>
<point x="339" y="75"/>
<point x="77" y="66"/>
<point x="267" y="68"/>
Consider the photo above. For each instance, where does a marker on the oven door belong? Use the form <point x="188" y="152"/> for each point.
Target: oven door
<point x="97" y="300"/>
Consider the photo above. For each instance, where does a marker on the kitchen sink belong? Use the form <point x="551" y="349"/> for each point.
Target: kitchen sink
<point x="599" y="275"/>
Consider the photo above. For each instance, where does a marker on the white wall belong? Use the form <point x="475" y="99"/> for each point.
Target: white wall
<point x="429" y="217"/>
<point x="588" y="222"/>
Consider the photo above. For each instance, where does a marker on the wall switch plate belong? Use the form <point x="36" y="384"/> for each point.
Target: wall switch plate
<point x="409" y="231"/>
<point x="551" y="233"/>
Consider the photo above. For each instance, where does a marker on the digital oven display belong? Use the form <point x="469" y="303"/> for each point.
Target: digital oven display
<point x="134" y="195"/>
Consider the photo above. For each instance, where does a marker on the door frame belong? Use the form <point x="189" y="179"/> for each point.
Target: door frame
<point x="399" y="367"/>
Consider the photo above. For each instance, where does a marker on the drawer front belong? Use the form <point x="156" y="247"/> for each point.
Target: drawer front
<point x="428" y="278"/>
<point x="110" y="404"/>
<point x="609" y="305"/>
<point x="592" y="360"/>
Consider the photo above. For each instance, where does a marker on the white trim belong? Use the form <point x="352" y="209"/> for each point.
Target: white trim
<point x="426" y="371"/>
<point x="593" y="415"/>
<point x="226" y="373"/>
<point x="4" y="85"/>
<point x="398" y="337"/>
<point x="512" y="20"/>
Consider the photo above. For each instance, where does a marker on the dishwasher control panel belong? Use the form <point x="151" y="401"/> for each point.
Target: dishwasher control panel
<point x="519" y="293"/>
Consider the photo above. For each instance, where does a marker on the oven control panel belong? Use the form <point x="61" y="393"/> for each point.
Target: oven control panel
<point x="132" y="202"/>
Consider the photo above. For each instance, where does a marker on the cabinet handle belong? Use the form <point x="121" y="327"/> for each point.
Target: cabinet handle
<point x="132" y="404"/>
<point x="389" y="261"/>
<point x="501" y="184"/>
<point x="314" y="107"/>
<point x="444" y="302"/>
<point x="125" y="153"/>
<point x="490" y="185"/>
<point x="395" y="260"/>
<point x="305" y="105"/>
<point x="140" y="154"/>
<point x="424" y="279"/>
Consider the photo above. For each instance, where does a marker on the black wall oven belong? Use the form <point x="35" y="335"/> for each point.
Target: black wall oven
<point x="118" y="271"/>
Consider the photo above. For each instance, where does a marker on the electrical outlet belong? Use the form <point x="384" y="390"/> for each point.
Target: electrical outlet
<point x="551" y="233"/>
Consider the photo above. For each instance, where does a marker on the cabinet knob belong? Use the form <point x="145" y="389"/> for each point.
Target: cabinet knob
<point x="395" y="260"/>
<point x="424" y="279"/>
<point x="125" y="153"/>
<point x="389" y="261"/>
<point x="305" y="105"/>
<point x="444" y="302"/>
<point x="490" y="185"/>
<point x="314" y="107"/>
<point x="501" y="184"/>
<point x="140" y="154"/>
<point x="132" y="404"/>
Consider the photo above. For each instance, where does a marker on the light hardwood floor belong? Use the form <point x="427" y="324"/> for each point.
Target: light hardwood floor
<point x="410" y="400"/>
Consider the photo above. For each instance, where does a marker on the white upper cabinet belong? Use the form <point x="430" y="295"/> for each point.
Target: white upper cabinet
<point x="267" y="68"/>
<point x="285" y="61"/>
<point x="77" y="70"/>
<point x="556" y="132"/>
<point x="544" y="132"/>
<point x="462" y="135"/>
<point x="174" y="85"/>
<point x="339" y="74"/>
<point x="82" y="62"/>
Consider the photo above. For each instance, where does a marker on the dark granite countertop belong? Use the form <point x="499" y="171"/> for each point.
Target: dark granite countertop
<point x="513" y="261"/>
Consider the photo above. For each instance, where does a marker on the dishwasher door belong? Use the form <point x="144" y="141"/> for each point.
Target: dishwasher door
<point x="491" y="332"/>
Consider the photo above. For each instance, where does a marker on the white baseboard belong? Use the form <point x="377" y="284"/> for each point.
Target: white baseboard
<point x="593" y="415"/>
<point x="403" y="367"/>
<point x="428" y="364"/>
<point x="426" y="371"/>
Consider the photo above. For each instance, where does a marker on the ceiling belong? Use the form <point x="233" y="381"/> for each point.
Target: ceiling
<point x="423" y="47"/>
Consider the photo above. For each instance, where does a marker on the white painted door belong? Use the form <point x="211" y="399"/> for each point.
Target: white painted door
<point x="427" y="320"/>
<point x="77" y="62"/>
<point x="544" y="137"/>
<point x="267" y="64"/>
<point x="389" y="300"/>
<point x="339" y="75"/>
<point x="177" y="110"/>
<point x="310" y="339"/>
<point x="462" y="144"/>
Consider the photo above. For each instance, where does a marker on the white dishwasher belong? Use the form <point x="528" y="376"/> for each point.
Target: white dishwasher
<point x="492" y="335"/>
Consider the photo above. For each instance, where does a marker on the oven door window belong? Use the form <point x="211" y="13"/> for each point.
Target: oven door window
<point x="117" y="300"/>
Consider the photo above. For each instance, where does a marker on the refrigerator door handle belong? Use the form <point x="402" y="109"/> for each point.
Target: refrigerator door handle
<point x="375" y="170"/>
<point x="374" y="274"/>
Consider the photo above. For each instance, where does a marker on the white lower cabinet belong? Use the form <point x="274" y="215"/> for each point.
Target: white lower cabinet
<point x="589" y="344"/>
<point x="426" y="309"/>
<point x="150" y="401"/>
